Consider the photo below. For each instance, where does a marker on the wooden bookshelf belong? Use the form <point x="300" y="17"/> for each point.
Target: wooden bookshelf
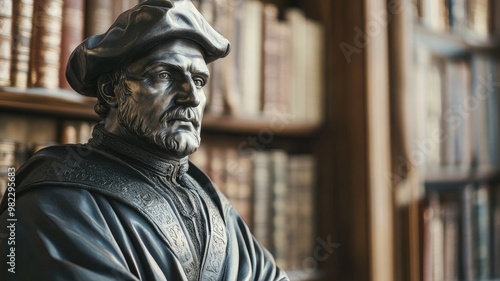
<point x="454" y="61"/>
<point x="342" y="144"/>
<point x="54" y="103"/>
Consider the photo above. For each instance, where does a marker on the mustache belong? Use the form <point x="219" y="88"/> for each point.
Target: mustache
<point x="181" y="113"/>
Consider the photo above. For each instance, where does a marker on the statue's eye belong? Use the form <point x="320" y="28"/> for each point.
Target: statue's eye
<point x="199" y="82"/>
<point x="164" y="75"/>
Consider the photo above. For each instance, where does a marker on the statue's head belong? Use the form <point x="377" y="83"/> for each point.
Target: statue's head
<point x="148" y="72"/>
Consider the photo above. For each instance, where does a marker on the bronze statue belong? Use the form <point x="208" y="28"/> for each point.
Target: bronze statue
<point x="128" y="205"/>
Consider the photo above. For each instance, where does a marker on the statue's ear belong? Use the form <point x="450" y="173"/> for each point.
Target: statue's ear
<point x="106" y="89"/>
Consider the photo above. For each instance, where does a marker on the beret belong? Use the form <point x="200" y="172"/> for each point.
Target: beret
<point x="135" y="31"/>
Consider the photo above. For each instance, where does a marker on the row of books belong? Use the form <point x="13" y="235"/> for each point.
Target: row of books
<point x="275" y="66"/>
<point x="479" y="19"/>
<point x="273" y="191"/>
<point x="37" y="37"/>
<point x="17" y="144"/>
<point x="461" y="234"/>
<point x="456" y="108"/>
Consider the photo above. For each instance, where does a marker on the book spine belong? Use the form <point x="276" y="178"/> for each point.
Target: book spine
<point x="5" y="41"/>
<point x="271" y="60"/>
<point x="450" y="223"/>
<point x="21" y="30"/>
<point x="251" y="52"/>
<point x="72" y="34"/>
<point x="280" y="203"/>
<point x="99" y="16"/>
<point x="245" y="194"/>
<point x="262" y="199"/>
<point x="482" y="228"/>
<point x="46" y="44"/>
<point x="314" y="71"/>
<point x="468" y="241"/>
<point x="496" y="232"/>
<point x="284" y="67"/>
<point x="298" y="60"/>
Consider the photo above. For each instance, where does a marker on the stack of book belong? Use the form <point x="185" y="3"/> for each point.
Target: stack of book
<point x="275" y="66"/>
<point x="456" y="111"/>
<point x="462" y="234"/>
<point x="274" y="193"/>
<point x="37" y="37"/>
<point x="475" y="19"/>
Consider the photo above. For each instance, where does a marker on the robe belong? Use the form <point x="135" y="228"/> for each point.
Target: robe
<point x="98" y="212"/>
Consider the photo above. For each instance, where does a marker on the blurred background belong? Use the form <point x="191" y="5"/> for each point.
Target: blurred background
<point x="358" y="139"/>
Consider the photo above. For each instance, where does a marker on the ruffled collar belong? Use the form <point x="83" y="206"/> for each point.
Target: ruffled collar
<point x="113" y="144"/>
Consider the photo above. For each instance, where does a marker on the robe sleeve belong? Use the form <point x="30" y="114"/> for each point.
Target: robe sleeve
<point x="247" y="259"/>
<point x="61" y="234"/>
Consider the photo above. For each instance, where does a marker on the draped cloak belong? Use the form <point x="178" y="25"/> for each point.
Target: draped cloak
<point x="99" y="211"/>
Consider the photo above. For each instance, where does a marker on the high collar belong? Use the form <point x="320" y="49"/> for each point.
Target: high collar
<point x="171" y="168"/>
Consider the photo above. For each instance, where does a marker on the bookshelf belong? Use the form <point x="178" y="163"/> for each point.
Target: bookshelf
<point x="345" y="144"/>
<point x="454" y="216"/>
<point x="58" y="107"/>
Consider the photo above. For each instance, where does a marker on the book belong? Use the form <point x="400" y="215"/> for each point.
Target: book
<point x="298" y="72"/>
<point x="76" y="132"/>
<point x="46" y="44"/>
<point x="272" y="50"/>
<point x="314" y="57"/>
<point x="449" y="213"/>
<point x="481" y="224"/>
<point x="468" y="242"/>
<point x="479" y="18"/>
<point x="301" y="210"/>
<point x="262" y="199"/>
<point x="21" y="34"/>
<point x="433" y="106"/>
<point x="435" y="14"/>
<point x="5" y="41"/>
<point x="251" y="61"/>
<point x="245" y="189"/>
<point x="216" y="170"/>
<point x="455" y="123"/>
<point x="280" y="202"/>
<point x="495" y="212"/>
<point x="98" y="16"/>
<point x="480" y="70"/>
<point x="73" y="31"/>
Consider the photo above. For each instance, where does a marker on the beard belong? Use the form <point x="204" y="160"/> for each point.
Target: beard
<point x="162" y="133"/>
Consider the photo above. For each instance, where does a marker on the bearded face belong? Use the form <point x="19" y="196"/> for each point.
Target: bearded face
<point x="160" y="97"/>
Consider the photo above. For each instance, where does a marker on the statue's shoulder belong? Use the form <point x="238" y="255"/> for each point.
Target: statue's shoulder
<point x="78" y="164"/>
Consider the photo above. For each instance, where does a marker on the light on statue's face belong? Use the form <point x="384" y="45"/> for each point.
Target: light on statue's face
<point x="162" y="99"/>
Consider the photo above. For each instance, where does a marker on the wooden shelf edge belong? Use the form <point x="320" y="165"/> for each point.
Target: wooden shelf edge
<point x="452" y="45"/>
<point x="51" y="102"/>
<point x="458" y="177"/>
<point x="72" y="105"/>
<point x="264" y="126"/>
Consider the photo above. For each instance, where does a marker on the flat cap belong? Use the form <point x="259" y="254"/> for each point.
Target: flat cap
<point x="135" y="31"/>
